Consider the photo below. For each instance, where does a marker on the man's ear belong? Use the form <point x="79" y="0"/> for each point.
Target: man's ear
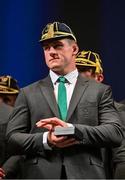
<point x="100" y="78"/>
<point x="75" y="49"/>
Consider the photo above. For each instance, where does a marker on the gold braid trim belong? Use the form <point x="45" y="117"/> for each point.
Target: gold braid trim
<point x="7" y="90"/>
<point x="50" y="35"/>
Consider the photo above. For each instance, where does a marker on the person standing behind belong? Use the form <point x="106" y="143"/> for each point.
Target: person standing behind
<point x="8" y="94"/>
<point x="89" y="65"/>
<point x="89" y="108"/>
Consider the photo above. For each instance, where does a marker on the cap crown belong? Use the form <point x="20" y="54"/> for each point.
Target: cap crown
<point x="89" y="59"/>
<point x="56" y="30"/>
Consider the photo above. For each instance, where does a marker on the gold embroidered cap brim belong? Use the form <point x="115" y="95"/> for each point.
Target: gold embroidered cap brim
<point x="6" y="90"/>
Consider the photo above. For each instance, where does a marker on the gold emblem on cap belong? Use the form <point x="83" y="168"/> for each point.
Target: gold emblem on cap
<point x="4" y="79"/>
<point x="50" y="33"/>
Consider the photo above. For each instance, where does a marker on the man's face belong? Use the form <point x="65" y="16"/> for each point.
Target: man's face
<point x="60" y="55"/>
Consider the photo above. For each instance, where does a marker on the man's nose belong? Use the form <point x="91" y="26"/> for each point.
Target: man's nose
<point x="52" y="51"/>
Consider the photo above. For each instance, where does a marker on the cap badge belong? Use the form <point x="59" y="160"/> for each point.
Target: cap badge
<point x="50" y="33"/>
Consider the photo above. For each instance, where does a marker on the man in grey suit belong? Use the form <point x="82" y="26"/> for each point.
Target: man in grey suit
<point x="90" y="110"/>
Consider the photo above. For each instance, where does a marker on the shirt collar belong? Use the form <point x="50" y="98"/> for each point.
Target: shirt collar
<point x="71" y="77"/>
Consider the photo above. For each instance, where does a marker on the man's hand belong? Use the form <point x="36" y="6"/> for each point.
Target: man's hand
<point x="62" y="141"/>
<point x="2" y="173"/>
<point x="51" y="123"/>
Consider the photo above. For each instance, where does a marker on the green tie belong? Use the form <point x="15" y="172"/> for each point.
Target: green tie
<point x="62" y="98"/>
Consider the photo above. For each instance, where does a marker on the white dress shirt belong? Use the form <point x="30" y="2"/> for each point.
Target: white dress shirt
<point x="70" y="84"/>
<point x="71" y="81"/>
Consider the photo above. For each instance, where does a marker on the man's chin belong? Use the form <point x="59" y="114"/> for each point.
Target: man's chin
<point x="56" y="69"/>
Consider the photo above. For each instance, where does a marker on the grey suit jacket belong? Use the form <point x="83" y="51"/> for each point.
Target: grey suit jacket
<point x="5" y="111"/>
<point x="9" y="164"/>
<point x="91" y="110"/>
<point x="119" y="152"/>
<point x="114" y="158"/>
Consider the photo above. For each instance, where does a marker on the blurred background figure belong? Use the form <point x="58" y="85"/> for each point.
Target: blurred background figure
<point x="8" y="90"/>
<point x="8" y="93"/>
<point x="89" y="65"/>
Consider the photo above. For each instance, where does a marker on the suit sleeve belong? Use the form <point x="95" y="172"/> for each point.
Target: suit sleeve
<point x="108" y="132"/>
<point x="19" y="138"/>
<point x="119" y="152"/>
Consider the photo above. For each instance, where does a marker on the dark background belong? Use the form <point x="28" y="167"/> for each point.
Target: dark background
<point x="99" y="25"/>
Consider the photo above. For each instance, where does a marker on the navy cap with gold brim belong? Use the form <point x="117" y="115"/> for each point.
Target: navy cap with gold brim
<point x="56" y="30"/>
<point x="8" y="85"/>
<point x="89" y="59"/>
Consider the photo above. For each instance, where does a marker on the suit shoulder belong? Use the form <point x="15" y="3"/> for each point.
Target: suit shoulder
<point x="33" y="86"/>
<point x="30" y="86"/>
<point x="99" y="85"/>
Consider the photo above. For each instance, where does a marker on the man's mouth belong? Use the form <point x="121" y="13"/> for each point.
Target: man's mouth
<point x="52" y="60"/>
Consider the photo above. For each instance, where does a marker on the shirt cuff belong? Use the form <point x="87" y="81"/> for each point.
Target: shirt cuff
<point x="45" y="144"/>
<point x="70" y="125"/>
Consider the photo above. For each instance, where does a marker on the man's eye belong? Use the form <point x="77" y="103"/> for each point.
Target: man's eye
<point x="45" y="47"/>
<point x="57" y="46"/>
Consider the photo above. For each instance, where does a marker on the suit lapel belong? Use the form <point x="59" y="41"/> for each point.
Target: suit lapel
<point x="80" y="87"/>
<point x="47" y="89"/>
